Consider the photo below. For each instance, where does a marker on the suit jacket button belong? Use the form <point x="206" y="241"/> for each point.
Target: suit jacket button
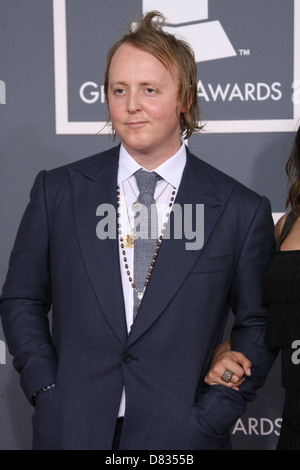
<point x="127" y="358"/>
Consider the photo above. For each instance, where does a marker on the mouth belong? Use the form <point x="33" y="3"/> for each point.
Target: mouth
<point x="137" y="124"/>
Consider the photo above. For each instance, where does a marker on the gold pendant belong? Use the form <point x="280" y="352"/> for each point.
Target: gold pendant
<point x="129" y="241"/>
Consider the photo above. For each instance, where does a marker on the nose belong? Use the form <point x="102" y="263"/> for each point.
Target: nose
<point x="134" y="103"/>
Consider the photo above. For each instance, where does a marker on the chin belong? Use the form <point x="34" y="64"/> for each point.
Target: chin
<point x="137" y="146"/>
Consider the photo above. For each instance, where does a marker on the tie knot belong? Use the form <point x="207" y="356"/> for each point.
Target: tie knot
<point x="146" y="181"/>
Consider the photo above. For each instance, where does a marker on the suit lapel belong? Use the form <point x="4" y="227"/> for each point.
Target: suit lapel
<point x="174" y="261"/>
<point x="93" y="186"/>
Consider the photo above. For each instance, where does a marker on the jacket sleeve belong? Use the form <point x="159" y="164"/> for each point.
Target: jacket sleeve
<point x="26" y="297"/>
<point x="221" y="406"/>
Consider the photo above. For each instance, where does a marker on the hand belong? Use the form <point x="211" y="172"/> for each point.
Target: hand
<point x="223" y="359"/>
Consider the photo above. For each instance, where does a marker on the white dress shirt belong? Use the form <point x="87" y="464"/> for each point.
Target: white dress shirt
<point x="171" y="173"/>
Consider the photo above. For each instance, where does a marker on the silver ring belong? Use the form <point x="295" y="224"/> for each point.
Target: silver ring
<point x="227" y="374"/>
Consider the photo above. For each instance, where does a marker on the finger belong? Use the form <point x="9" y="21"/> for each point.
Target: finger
<point x="214" y="376"/>
<point x="236" y="380"/>
<point x="238" y="384"/>
<point x="230" y="365"/>
<point x="219" y="381"/>
<point x="243" y="361"/>
<point x="237" y="362"/>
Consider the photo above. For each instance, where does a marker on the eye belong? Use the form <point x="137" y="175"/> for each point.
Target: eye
<point x="119" y="91"/>
<point x="150" y="91"/>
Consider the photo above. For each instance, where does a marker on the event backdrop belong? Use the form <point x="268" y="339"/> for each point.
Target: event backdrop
<point x="52" y="111"/>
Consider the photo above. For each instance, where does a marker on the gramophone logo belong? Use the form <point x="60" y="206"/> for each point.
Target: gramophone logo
<point x="241" y="89"/>
<point x="190" y="22"/>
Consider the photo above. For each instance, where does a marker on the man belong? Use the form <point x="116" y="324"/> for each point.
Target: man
<point x="132" y="337"/>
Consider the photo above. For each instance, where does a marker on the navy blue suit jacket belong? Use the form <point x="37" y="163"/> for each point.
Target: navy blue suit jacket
<point x="59" y="263"/>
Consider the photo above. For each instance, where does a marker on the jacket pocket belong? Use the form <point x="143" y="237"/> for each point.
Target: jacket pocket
<point x="207" y="439"/>
<point x="207" y="264"/>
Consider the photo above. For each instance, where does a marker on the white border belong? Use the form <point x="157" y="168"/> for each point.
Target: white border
<point x="64" y="126"/>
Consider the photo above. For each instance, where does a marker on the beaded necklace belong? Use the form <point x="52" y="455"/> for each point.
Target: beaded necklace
<point x="140" y="294"/>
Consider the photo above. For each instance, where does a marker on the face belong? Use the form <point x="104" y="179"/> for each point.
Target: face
<point x="143" y="106"/>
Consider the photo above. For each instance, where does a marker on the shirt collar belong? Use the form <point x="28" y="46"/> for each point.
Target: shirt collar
<point x="171" y="170"/>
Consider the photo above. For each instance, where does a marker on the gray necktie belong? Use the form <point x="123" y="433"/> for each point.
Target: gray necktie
<point x="147" y="232"/>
